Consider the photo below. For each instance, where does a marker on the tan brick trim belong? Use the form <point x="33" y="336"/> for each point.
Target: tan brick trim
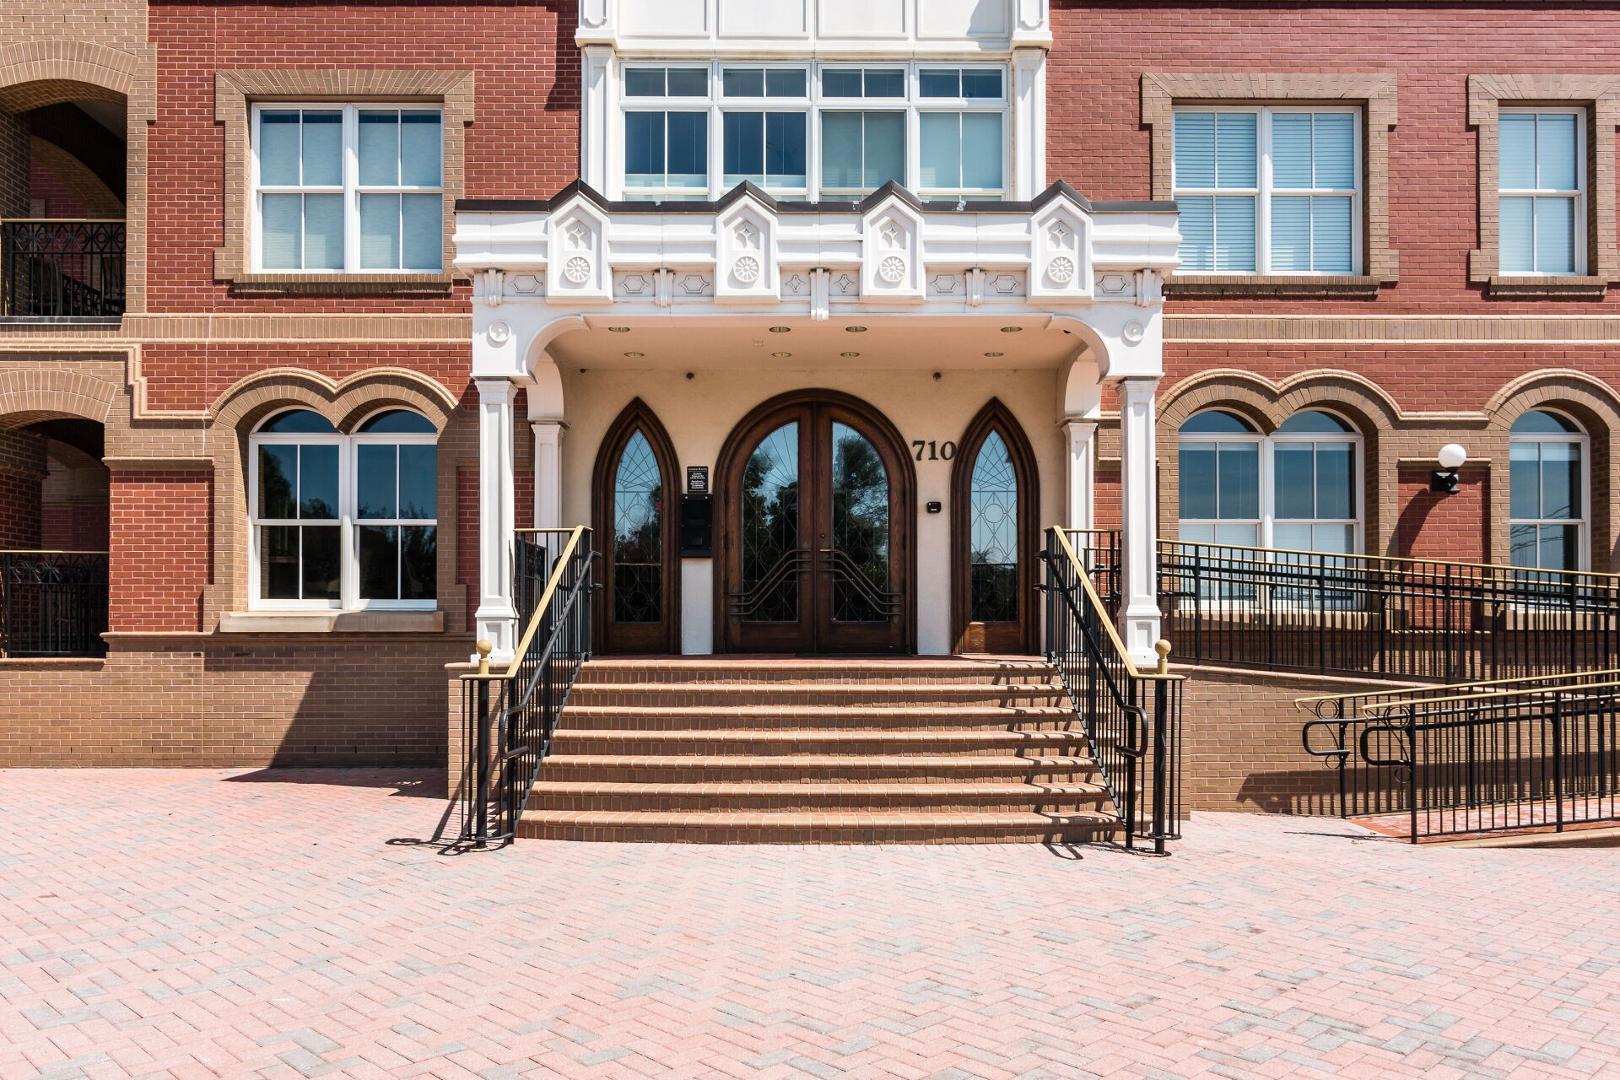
<point x="234" y="90"/>
<point x="1266" y="404"/>
<point x="1408" y="329"/>
<point x="1595" y="406"/>
<point x="41" y="392"/>
<point x="1374" y="91"/>
<point x="344" y="402"/>
<point x="68" y="66"/>
<point x="1599" y="95"/>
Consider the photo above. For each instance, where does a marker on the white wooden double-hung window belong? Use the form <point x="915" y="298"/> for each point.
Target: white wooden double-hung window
<point x="1269" y="190"/>
<point x="1549" y="492"/>
<point x="1541" y="181"/>
<point x="348" y="188"/>
<point x="342" y="521"/>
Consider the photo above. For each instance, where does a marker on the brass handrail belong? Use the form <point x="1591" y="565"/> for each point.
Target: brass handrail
<point x="483" y="673"/>
<point x="1107" y="622"/>
<point x="1439" y="564"/>
<point x="1484" y="686"/>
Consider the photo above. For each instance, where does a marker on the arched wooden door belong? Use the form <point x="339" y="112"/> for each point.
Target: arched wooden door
<point x="994" y="496"/>
<point x="817" y="517"/>
<point x="638" y="607"/>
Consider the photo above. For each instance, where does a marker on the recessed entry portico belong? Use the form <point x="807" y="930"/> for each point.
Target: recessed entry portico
<point x="887" y="399"/>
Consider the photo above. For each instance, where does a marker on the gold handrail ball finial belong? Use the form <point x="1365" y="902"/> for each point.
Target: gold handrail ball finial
<point x="484" y="649"/>
<point x="1162" y="647"/>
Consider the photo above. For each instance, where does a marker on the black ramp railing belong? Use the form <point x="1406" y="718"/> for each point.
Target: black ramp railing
<point x="53" y="603"/>
<point x="1132" y="719"/>
<point x="1481" y="757"/>
<point x="1384" y="617"/>
<point x="60" y="268"/>
<point x="510" y="716"/>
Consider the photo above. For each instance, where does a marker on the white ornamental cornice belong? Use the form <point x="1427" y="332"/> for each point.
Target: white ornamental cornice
<point x="889" y="250"/>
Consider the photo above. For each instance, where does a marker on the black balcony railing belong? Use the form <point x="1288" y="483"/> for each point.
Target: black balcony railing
<point x="61" y="268"/>
<point x="53" y="603"/>
<point x="1132" y="718"/>
<point x="509" y="715"/>
<point x="1484" y="757"/>
<point x="1384" y="617"/>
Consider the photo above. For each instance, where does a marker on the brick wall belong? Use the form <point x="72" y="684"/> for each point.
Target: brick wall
<point x="14" y="142"/>
<point x="228" y="699"/>
<point x="160" y="551"/>
<point x="524" y="141"/>
<point x="22" y="470"/>
<point x="1452" y="527"/>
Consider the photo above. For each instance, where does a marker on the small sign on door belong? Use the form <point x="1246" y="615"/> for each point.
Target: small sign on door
<point x="697" y="479"/>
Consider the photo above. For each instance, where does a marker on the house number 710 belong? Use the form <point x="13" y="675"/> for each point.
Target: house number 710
<point x="929" y="450"/>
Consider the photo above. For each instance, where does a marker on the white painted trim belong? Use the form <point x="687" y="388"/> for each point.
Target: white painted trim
<point x="497" y="616"/>
<point x="1139" y="557"/>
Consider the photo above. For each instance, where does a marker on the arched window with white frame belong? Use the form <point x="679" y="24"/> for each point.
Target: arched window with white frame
<point x="343" y="521"/>
<point x="1295" y="489"/>
<point x="1548" y="497"/>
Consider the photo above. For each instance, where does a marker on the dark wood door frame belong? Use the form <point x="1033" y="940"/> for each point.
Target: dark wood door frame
<point x="997" y="637"/>
<point x="664" y="635"/>
<point x="810" y="407"/>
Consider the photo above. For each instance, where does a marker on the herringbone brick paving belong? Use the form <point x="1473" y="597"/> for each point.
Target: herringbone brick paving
<point x="202" y="923"/>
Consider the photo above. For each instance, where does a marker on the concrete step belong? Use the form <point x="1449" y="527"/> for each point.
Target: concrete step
<point x="821" y="827"/>
<point x="824" y="694"/>
<point x="798" y="796"/>
<point x="793" y="741"/>
<point x="817" y="769"/>
<point x="852" y="717"/>
<point x="912" y="670"/>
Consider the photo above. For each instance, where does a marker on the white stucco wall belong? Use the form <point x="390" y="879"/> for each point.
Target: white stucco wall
<point x="699" y="413"/>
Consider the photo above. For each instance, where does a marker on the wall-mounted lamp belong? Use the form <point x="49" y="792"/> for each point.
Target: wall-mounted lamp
<point x="1443" y="481"/>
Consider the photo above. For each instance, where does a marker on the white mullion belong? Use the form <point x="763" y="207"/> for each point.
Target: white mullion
<point x="714" y="148"/>
<point x="351" y="181"/>
<point x="1262" y="209"/>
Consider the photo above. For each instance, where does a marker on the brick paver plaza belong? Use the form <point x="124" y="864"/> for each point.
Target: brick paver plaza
<point x="236" y="923"/>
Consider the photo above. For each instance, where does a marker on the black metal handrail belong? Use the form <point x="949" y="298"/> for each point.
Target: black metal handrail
<point x="1132" y="719"/>
<point x="61" y="268"/>
<point x="53" y="603"/>
<point x="1384" y="617"/>
<point x="1482" y="757"/>
<point x="509" y="717"/>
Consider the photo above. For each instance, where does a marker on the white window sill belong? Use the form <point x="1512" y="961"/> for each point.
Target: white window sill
<point x="369" y="621"/>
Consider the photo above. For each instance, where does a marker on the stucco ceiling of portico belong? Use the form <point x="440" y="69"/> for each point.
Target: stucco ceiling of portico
<point x="888" y="342"/>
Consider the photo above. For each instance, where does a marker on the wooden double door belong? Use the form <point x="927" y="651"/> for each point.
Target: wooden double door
<point x="817" y="530"/>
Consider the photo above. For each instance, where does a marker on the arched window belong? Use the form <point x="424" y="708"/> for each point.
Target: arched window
<point x="1294" y="489"/>
<point x="344" y="521"/>
<point x="634" y="483"/>
<point x="1547" y="520"/>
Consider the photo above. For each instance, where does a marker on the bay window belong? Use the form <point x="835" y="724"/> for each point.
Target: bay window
<point x="1541" y="189"/>
<point x="812" y="131"/>
<point x="1268" y="190"/>
<point x="343" y="521"/>
<point x="348" y="188"/>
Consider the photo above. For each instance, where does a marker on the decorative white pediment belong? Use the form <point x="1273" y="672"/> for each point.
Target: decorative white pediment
<point x="1060" y="263"/>
<point x="746" y="260"/>
<point x="577" y="268"/>
<point x="892" y="252"/>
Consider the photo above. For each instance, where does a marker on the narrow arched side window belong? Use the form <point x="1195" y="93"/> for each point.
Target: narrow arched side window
<point x="993" y="519"/>
<point x="634" y="484"/>
<point x="343" y="521"/>
<point x="1548" y="482"/>
<point x="1296" y="488"/>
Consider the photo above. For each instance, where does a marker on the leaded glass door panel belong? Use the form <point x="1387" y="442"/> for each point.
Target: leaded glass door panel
<point x="813" y="531"/>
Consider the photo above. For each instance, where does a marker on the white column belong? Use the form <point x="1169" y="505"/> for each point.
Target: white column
<point x="548" y="473"/>
<point x="1029" y="122"/>
<point x="496" y="618"/>
<point x="1139" y="517"/>
<point x="596" y="120"/>
<point x="1082" y="465"/>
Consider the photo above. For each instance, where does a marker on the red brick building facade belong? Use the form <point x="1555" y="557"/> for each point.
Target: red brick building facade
<point x="129" y="428"/>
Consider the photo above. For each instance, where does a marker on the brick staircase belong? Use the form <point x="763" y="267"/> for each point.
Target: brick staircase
<point x="951" y="750"/>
